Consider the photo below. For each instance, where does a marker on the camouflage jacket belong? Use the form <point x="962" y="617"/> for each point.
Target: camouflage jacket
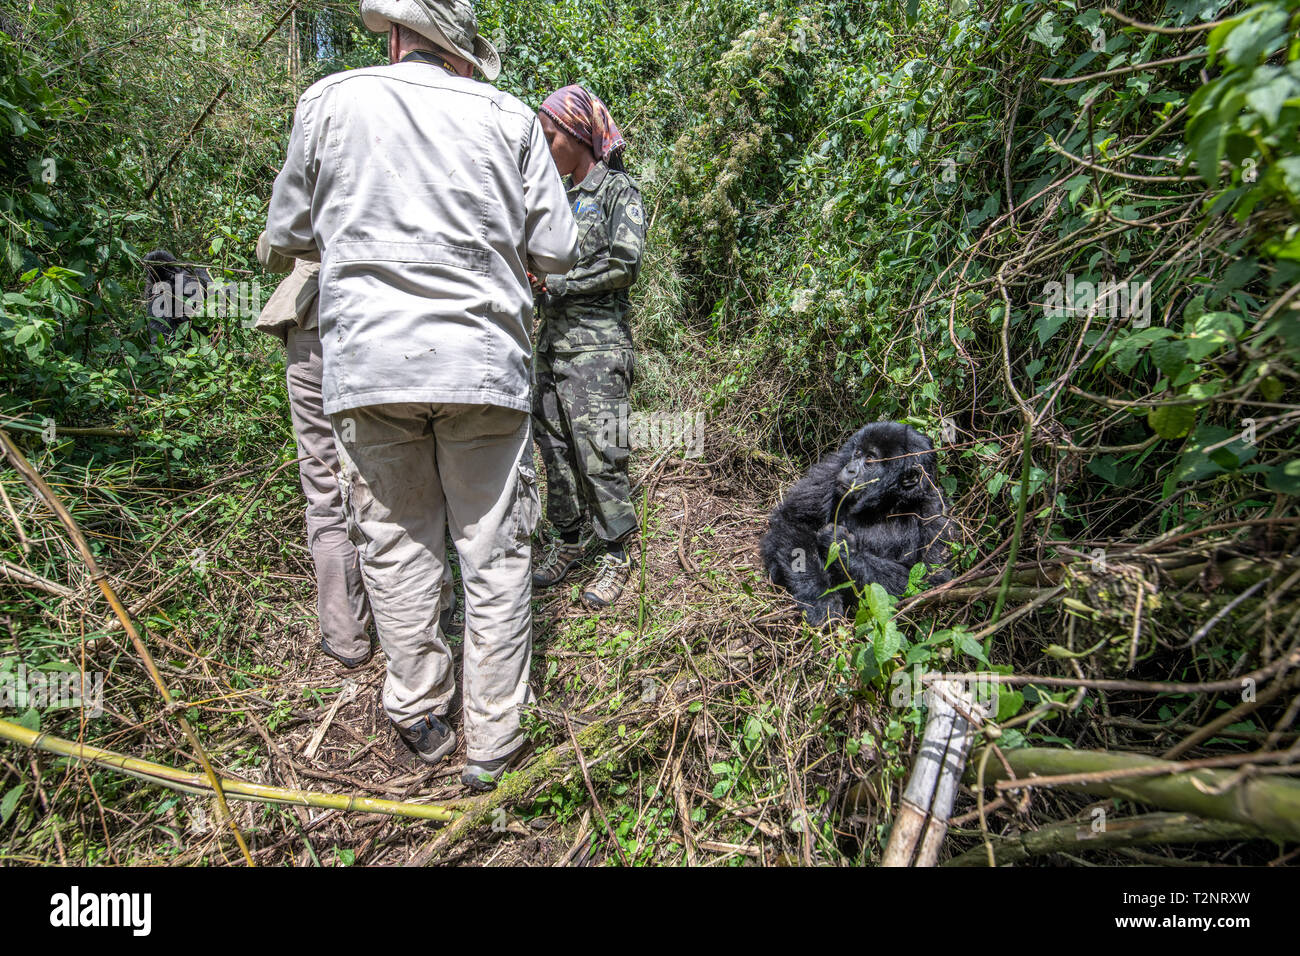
<point x="587" y="308"/>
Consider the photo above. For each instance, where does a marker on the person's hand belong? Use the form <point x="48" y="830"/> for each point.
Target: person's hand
<point x="538" y="286"/>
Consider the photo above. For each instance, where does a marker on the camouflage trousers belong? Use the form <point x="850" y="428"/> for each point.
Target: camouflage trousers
<point x="577" y="401"/>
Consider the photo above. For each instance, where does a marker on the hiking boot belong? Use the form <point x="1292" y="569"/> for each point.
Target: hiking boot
<point x="482" y="775"/>
<point x="610" y="580"/>
<point x="348" y="662"/>
<point x="429" y="737"/>
<point x="559" y="561"/>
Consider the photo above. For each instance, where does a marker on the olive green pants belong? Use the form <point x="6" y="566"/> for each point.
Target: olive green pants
<point x="578" y="400"/>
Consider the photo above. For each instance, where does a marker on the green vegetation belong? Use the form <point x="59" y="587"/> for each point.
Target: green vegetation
<point x="1062" y="241"/>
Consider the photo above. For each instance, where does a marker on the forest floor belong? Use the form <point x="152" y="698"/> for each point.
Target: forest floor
<point x="700" y="555"/>
<point x="698" y="721"/>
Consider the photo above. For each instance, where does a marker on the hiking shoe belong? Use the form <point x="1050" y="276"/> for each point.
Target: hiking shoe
<point x="348" y="662"/>
<point x="610" y="580"/>
<point x="482" y="775"/>
<point x="429" y="737"/>
<point x="559" y="561"/>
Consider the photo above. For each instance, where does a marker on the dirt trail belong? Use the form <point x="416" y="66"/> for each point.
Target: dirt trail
<point x="700" y="545"/>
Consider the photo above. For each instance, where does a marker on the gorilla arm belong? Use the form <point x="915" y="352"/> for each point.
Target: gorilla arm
<point x="885" y="549"/>
<point x="791" y="555"/>
<point x="866" y="555"/>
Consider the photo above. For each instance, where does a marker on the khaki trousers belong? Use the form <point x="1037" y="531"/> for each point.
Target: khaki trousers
<point x="341" y="605"/>
<point x="409" y="473"/>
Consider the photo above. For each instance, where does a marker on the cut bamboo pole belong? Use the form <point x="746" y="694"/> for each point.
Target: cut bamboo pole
<point x="945" y="794"/>
<point x="931" y="790"/>
<point x="199" y="784"/>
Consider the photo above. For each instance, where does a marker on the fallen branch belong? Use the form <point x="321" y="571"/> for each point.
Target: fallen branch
<point x="31" y="580"/>
<point x="1073" y="836"/>
<point x="591" y="791"/>
<point x="551" y="766"/>
<point x="1286" y="662"/>
<point x="198" y="784"/>
<point x="1268" y="803"/>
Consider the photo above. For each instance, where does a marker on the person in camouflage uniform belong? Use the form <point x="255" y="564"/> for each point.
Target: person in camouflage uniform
<point x="583" y="361"/>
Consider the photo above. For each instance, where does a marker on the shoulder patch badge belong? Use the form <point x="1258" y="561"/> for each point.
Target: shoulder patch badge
<point x="635" y="214"/>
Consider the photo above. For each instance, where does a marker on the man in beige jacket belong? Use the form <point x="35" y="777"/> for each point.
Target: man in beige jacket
<point x="427" y="197"/>
<point x="342" y="608"/>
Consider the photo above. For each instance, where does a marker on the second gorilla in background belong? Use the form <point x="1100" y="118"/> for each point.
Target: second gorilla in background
<point x="878" y="497"/>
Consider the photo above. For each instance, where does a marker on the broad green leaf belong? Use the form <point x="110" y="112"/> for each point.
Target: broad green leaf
<point x="1048" y="32"/>
<point x="887" y="644"/>
<point x="44" y="206"/>
<point x="1260" y="33"/>
<point x="1285" y="478"/>
<point x="1169" y="356"/>
<point x="879" y="602"/>
<point x="1172" y="421"/>
<point x="1267" y="100"/>
<point x="972" y="647"/>
<point x="1289" y="170"/>
<point x="10" y="802"/>
<point x="1009" y="703"/>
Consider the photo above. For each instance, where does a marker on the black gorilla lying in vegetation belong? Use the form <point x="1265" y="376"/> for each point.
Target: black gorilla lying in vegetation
<point x="879" y="499"/>
<point x="174" y="294"/>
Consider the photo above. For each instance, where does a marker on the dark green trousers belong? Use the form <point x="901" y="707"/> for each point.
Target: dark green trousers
<point x="580" y="410"/>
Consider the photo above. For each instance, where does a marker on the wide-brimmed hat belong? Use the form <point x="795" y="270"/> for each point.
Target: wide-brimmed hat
<point x="450" y="24"/>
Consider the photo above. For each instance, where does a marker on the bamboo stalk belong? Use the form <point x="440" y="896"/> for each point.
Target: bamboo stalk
<point x="1269" y="803"/>
<point x="199" y="785"/>
<point x="932" y="788"/>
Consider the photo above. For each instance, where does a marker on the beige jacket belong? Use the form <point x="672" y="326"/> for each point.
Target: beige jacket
<point x="294" y="301"/>
<point x="425" y="197"/>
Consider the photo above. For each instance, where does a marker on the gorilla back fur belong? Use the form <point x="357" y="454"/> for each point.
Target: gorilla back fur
<point x="879" y="498"/>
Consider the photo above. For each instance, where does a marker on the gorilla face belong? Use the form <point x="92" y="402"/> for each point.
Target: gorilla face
<point x="885" y="465"/>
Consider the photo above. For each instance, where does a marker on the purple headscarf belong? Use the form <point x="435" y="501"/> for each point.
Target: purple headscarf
<point x="583" y="116"/>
